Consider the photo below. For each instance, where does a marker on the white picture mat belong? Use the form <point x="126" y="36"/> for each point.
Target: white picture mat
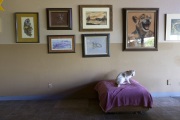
<point x="22" y="27"/>
<point x="169" y="17"/>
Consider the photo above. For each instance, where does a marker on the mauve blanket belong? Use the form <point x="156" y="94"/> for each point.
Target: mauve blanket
<point x="133" y="94"/>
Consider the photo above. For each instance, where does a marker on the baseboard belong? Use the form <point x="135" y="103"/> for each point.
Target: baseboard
<point x="165" y="94"/>
<point x="42" y="97"/>
<point x="53" y="97"/>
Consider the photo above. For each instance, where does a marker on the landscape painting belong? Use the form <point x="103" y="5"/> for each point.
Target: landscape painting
<point x="96" y="18"/>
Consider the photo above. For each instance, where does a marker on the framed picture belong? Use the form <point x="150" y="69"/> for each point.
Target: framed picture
<point x="59" y="18"/>
<point x="95" y="45"/>
<point x="172" y="27"/>
<point x="27" y="27"/>
<point x="95" y="18"/>
<point x="61" y="43"/>
<point x="140" y="27"/>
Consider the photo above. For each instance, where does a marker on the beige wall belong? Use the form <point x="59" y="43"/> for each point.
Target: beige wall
<point x="26" y="69"/>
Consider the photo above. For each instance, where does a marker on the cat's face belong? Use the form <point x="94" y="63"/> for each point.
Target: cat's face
<point x="132" y="72"/>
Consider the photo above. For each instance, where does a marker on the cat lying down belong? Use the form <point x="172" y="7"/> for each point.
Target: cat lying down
<point x="124" y="76"/>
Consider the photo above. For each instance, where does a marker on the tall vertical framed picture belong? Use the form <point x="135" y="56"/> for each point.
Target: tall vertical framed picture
<point x="140" y="29"/>
<point x="173" y="27"/>
<point x="95" y="45"/>
<point x="27" y="27"/>
<point x="95" y="18"/>
<point x="61" y="43"/>
<point x="59" y="18"/>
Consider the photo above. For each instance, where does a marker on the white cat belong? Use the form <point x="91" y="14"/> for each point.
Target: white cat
<point x="124" y="76"/>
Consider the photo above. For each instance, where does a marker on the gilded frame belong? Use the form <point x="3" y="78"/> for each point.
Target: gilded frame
<point x="27" y="27"/>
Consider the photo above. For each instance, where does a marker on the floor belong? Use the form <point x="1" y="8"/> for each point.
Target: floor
<point x="84" y="109"/>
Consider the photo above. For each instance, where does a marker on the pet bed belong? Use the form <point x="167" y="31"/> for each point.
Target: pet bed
<point x="126" y="98"/>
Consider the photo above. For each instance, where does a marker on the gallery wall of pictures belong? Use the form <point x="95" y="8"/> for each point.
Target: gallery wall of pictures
<point x="140" y="29"/>
<point x="92" y="18"/>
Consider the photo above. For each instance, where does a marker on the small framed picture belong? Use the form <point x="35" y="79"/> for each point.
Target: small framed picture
<point x="95" y="18"/>
<point x="173" y="27"/>
<point x="95" y="45"/>
<point x="140" y="29"/>
<point x="61" y="43"/>
<point x="27" y="27"/>
<point x="59" y="18"/>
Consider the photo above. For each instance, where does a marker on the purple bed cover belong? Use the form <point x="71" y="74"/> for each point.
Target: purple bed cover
<point x="133" y="94"/>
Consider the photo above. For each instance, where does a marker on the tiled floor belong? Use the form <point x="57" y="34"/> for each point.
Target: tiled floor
<point x="84" y="109"/>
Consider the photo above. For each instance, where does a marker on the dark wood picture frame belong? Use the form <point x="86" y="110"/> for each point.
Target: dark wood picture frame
<point x="27" y="27"/>
<point x="95" y="18"/>
<point x="61" y="43"/>
<point x="59" y="18"/>
<point x="140" y="29"/>
<point x="95" y="45"/>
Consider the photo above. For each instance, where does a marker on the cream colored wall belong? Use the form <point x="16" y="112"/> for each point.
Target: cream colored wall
<point x="26" y="69"/>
